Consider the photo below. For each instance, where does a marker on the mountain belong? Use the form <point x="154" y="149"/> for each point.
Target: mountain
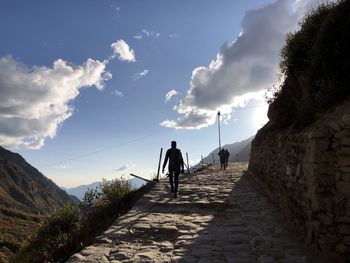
<point x="80" y="190"/>
<point x="239" y="151"/>
<point x="24" y="188"/>
<point x="26" y="196"/>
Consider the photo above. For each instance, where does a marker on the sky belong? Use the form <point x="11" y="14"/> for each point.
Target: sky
<point x="93" y="89"/>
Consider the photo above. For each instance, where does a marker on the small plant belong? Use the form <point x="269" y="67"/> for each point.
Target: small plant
<point x="89" y="200"/>
<point x="114" y="190"/>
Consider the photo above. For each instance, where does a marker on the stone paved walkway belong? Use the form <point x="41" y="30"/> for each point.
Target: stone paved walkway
<point x="217" y="217"/>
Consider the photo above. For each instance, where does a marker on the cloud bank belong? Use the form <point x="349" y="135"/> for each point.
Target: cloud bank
<point x="122" y="50"/>
<point x="35" y="101"/>
<point x="242" y="68"/>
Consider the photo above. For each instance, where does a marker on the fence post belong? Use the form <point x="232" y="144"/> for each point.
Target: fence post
<point x="188" y="166"/>
<point x="160" y="160"/>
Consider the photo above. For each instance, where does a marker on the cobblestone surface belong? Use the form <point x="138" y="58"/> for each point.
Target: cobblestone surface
<point x="218" y="216"/>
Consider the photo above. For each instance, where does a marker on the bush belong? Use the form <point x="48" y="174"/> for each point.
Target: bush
<point x="315" y="62"/>
<point x="113" y="190"/>
<point x="52" y="237"/>
<point x="69" y="229"/>
<point x="89" y="200"/>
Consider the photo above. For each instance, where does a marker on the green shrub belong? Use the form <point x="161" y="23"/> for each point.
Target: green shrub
<point x="69" y="229"/>
<point x="315" y="62"/>
<point x="113" y="190"/>
<point x="89" y="200"/>
<point x="52" y="237"/>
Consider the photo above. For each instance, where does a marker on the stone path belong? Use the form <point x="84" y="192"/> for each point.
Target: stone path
<point x="217" y="217"/>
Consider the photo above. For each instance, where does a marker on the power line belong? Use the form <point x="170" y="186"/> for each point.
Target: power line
<point x="124" y="143"/>
<point x="104" y="149"/>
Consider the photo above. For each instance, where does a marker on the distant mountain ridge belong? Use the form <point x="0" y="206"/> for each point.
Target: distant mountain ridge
<point x="79" y="191"/>
<point x="239" y="151"/>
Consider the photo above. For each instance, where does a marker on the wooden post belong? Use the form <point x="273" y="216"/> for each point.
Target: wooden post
<point x="149" y="181"/>
<point x="188" y="166"/>
<point x="160" y="160"/>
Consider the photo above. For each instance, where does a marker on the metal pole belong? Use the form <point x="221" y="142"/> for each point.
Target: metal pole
<point x="219" y="130"/>
<point x="160" y="160"/>
<point x="188" y="166"/>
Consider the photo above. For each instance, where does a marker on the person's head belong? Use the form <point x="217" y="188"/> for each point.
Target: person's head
<point x="173" y="144"/>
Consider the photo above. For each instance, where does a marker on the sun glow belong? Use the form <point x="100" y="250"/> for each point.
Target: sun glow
<point x="260" y="116"/>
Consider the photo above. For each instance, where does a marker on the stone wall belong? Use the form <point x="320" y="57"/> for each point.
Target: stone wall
<point x="307" y="174"/>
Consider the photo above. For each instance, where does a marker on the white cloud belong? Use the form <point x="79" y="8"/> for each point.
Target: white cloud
<point x="35" y="101"/>
<point x="242" y="68"/>
<point x="173" y="35"/>
<point x="124" y="167"/>
<point x="170" y="94"/>
<point x="60" y="166"/>
<point x="123" y="51"/>
<point x="138" y="37"/>
<point x="117" y="93"/>
<point x="141" y="74"/>
<point x="146" y="33"/>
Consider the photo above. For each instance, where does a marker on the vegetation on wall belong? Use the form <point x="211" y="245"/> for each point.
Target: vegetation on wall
<point x="315" y="66"/>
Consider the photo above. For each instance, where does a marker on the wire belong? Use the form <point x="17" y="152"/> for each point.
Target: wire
<point x="105" y="149"/>
<point x="124" y="143"/>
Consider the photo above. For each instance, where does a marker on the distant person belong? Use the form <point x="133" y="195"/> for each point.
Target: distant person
<point x="176" y="164"/>
<point x="222" y="155"/>
<point x="227" y="156"/>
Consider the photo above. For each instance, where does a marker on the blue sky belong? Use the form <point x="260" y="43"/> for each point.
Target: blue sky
<point x="83" y="84"/>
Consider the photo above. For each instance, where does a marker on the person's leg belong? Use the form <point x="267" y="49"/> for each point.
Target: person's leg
<point x="176" y="181"/>
<point x="171" y="180"/>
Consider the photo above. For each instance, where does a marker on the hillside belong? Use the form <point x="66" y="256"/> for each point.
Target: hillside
<point x="26" y="195"/>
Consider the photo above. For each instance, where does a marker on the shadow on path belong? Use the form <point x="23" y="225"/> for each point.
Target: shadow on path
<point x="219" y="216"/>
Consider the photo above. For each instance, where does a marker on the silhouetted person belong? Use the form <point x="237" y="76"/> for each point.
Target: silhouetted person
<point x="176" y="164"/>
<point x="227" y="156"/>
<point x="222" y="155"/>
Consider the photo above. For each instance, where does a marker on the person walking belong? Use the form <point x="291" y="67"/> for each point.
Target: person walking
<point x="222" y="155"/>
<point x="176" y="165"/>
<point x="227" y="156"/>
